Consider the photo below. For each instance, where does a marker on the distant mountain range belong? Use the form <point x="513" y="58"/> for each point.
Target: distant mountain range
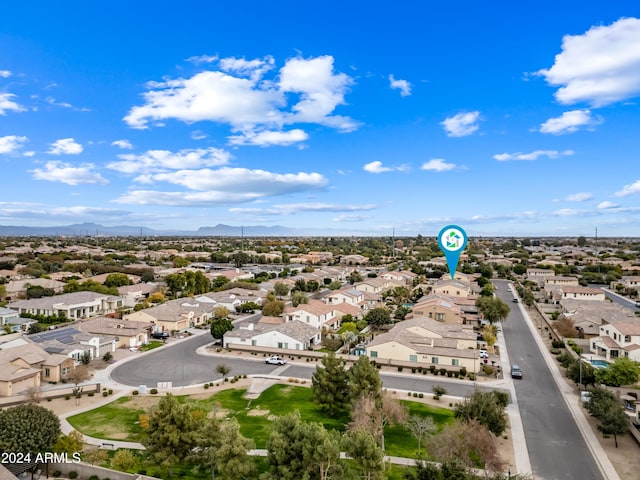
<point x="220" y="230"/>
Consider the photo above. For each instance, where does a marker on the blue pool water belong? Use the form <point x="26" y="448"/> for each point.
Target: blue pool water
<point x="599" y="363"/>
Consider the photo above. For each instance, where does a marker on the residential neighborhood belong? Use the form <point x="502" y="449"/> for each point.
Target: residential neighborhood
<point x="415" y="320"/>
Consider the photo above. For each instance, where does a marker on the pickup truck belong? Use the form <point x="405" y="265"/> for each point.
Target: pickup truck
<point x="275" y="360"/>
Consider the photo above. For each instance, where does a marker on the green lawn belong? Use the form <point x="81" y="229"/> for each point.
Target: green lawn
<point x="119" y="420"/>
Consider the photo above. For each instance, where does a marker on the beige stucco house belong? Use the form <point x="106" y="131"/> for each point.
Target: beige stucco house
<point x="427" y="342"/>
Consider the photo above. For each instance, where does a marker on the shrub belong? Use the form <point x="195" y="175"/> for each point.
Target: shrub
<point x="415" y="395"/>
<point x="413" y="369"/>
<point x="421" y="395"/>
<point x="206" y="386"/>
<point x="399" y="368"/>
<point x="94" y="477"/>
<point x="67" y="397"/>
<point x="463" y="372"/>
<point x="107" y="357"/>
<point x="557" y="344"/>
<point x="73" y="474"/>
<point x="153" y="391"/>
<point x="57" y="473"/>
<point x="110" y="392"/>
<point x="135" y="392"/>
<point x="91" y="394"/>
<point x="449" y="373"/>
<point x="555" y="351"/>
<point x="439" y="390"/>
<point x="432" y="368"/>
<point x="472" y="376"/>
<point x="443" y="371"/>
<point x="105" y="393"/>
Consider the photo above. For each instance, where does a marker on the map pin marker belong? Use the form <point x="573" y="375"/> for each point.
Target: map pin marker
<point x="452" y="239"/>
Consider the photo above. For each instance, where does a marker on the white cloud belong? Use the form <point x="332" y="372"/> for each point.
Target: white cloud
<point x="599" y="67"/>
<point x="503" y="157"/>
<point x="162" y="160"/>
<point x="629" y="189"/>
<point x="7" y="104"/>
<point x="321" y="91"/>
<point x="224" y="186"/>
<point x="377" y="167"/>
<point x="462" y="124"/>
<point x="5" y="73"/>
<point x="607" y="204"/>
<point x="579" y="197"/>
<point x="67" y="146"/>
<point x="570" y="122"/>
<point x="30" y="153"/>
<point x="294" y="208"/>
<point x="237" y="95"/>
<point x="350" y="218"/>
<point x="437" y="165"/>
<point x="56" y="171"/>
<point x="213" y="96"/>
<point x="11" y="143"/>
<point x="402" y="85"/>
<point x="124" y="144"/>
<point x="198" y="135"/>
<point x="199" y="59"/>
<point x="254" y="69"/>
<point x="269" y="138"/>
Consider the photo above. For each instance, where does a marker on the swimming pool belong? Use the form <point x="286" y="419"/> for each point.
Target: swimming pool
<point x="599" y="363"/>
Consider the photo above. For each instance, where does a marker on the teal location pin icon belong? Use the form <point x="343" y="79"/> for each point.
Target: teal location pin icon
<point x="452" y="240"/>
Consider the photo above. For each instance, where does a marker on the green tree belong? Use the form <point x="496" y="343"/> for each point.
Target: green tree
<point x="223" y="369"/>
<point x="117" y="280"/>
<point x="172" y="433"/>
<point x="623" y="371"/>
<point x="519" y="269"/>
<point x="219" y="282"/>
<point x="220" y="326"/>
<point x="363" y="448"/>
<point x="69" y="444"/>
<point x="613" y="420"/>
<point x="123" y="460"/>
<point x="485" y="408"/>
<point x="493" y="309"/>
<point x="378" y="316"/>
<point x="272" y="308"/>
<point x="355" y="277"/>
<point x="599" y="400"/>
<point x="94" y="455"/>
<point x="299" y="297"/>
<point x="221" y="448"/>
<point x="28" y="429"/>
<point x="586" y="374"/>
<point x="220" y="312"/>
<point x="300" y="450"/>
<point x="364" y="379"/>
<point x="330" y="384"/>
<point x="280" y="289"/>
<point x="582" y="241"/>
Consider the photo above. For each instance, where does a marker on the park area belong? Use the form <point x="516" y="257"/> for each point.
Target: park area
<point x="123" y="419"/>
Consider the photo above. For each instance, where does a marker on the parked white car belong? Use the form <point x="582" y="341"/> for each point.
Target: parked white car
<point x="275" y="360"/>
<point x="483" y="354"/>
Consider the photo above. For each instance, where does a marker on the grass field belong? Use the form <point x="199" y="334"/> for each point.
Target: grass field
<point x="119" y="420"/>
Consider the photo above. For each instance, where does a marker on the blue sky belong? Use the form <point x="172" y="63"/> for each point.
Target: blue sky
<point x="503" y="119"/>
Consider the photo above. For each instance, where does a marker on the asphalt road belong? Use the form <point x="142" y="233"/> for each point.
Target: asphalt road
<point x="556" y="447"/>
<point x="180" y="364"/>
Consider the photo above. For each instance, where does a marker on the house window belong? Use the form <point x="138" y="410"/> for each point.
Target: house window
<point x="65" y="371"/>
<point x="440" y="317"/>
<point x="374" y="354"/>
<point x="413" y="358"/>
<point x="253" y="343"/>
<point x="430" y="315"/>
<point x="627" y="338"/>
<point x="434" y="360"/>
<point x="47" y="372"/>
<point x="615" y="336"/>
<point x="455" y="362"/>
